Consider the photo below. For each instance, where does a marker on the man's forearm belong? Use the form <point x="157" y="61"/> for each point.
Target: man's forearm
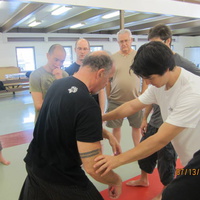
<point x="125" y="110"/>
<point x="147" y="111"/>
<point x="151" y="145"/>
<point x="110" y="178"/>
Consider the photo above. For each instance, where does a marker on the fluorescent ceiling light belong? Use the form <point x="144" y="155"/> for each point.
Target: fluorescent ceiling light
<point x="110" y="15"/>
<point x="60" y="10"/>
<point x="35" y="23"/>
<point x="78" y="25"/>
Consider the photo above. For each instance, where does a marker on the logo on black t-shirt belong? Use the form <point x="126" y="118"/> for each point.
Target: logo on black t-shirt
<point x="73" y="89"/>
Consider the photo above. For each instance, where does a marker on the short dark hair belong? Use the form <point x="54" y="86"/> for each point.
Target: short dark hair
<point x="98" y="60"/>
<point x="160" y="30"/>
<point x="153" y="58"/>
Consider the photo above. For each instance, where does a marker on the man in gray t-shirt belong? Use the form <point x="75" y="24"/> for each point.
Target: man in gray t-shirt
<point x="42" y="78"/>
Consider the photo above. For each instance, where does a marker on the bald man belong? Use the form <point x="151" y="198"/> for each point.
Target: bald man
<point x="82" y="48"/>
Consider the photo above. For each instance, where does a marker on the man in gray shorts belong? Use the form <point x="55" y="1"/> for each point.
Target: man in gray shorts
<point x="124" y="86"/>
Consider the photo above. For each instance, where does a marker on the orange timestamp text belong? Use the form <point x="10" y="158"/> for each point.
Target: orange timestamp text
<point x="185" y="171"/>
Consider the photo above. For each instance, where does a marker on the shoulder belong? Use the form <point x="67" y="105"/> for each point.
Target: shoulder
<point x="72" y="68"/>
<point x="186" y="64"/>
<point x="115" y="54"/>
<point x="133" y="52"/>
<point x="38" y="71"/>
<point x="64" y="73"/>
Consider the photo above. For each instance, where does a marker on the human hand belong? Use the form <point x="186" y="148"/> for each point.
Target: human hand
<point x="115" y="145"/>
<point x="57" y="72"/>
<point x="144" y="126"/>
<point x="105" y="163"/>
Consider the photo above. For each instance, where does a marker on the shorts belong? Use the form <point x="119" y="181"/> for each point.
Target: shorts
<point x="35" y="188"/>
<point x="135" y="120"/>
<point x="165" y="158"/>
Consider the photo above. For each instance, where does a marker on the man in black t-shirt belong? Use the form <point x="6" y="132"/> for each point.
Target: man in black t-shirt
<point x="67" y="136"/>
<point x="82" y="48"/>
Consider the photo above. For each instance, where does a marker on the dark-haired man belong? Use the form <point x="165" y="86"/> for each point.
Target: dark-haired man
<point x="165" y="158"/>
<point x="177" y="93"/>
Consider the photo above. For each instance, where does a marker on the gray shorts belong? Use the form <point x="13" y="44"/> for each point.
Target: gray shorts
<point x="134" y="120"/>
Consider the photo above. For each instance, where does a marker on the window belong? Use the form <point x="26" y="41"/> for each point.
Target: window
<point x="96" y="48"/>
<point x="25" y="58"/>
<point x="69" y="58"/>
<point x="133" y="47"/>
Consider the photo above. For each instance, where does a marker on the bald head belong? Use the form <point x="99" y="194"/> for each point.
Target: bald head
<point x="57" y="47"/>
<point x="82" y="40"/>
<point x="82" y="48"/>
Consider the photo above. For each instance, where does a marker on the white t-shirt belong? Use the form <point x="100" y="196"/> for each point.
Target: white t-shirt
<point x="180" y="106"/>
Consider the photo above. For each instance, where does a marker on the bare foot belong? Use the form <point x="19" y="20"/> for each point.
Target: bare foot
<point x="4" y="162"/>
<point x="158" y="197"/>
<point x="137" y="183"/>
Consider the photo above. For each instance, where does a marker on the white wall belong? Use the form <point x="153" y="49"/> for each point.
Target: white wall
<point x="8" y="55"/>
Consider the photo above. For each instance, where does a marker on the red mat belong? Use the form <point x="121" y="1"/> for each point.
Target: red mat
<point x="17" y="138"/>
<point x="141" y="193"/>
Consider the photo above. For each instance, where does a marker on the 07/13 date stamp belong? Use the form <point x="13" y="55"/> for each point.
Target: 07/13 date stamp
<point x="191" y="172"/>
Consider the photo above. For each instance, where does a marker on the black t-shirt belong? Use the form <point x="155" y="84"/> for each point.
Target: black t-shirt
<point x="74" y="67"/>
<point x="68" y="114"/>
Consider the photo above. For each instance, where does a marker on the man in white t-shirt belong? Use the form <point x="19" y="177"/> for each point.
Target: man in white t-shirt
<point x="177" y="92"/>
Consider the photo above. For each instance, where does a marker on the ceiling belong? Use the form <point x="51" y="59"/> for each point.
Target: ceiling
<point x="15" y="16"/>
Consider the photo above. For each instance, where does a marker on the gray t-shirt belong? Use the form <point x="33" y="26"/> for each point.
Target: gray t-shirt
<point x="40" y="81"/>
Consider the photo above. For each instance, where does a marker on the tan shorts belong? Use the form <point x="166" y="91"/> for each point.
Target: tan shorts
<point x="134" y="120"/>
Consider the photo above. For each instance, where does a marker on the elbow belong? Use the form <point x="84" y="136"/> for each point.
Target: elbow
<point x="90" y="171"/>
<point x="38" y="107"/>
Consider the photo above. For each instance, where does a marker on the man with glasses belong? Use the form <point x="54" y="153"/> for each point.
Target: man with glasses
<point x="124" y="86"/>
<point x="82" y="48"/>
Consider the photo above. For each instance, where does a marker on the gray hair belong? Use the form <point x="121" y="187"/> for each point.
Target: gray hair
<point x="122" y="31"/>
<point x="98" y="60"/>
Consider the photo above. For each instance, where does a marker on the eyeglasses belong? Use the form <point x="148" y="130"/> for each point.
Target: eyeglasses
<point x="123" y="41"/>
<point x="84" y="49"/>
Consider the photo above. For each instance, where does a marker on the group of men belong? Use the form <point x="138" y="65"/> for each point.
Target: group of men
<point x="68" y="125"/>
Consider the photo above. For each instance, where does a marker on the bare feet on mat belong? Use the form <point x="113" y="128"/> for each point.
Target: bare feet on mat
<point x="137" y="183"/>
